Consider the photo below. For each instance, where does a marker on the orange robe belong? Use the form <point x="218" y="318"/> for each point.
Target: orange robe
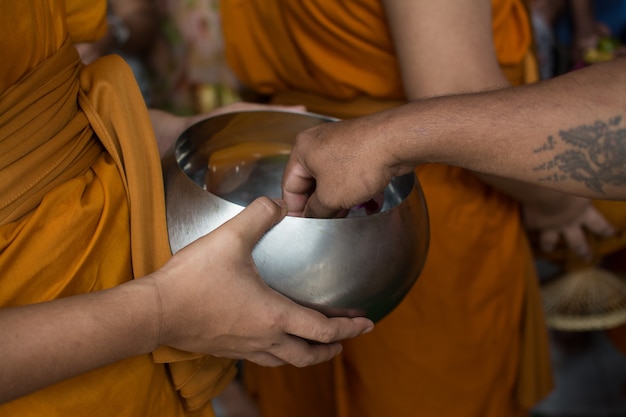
<point x="82" y="204"/>
<point x="469" y="339"/>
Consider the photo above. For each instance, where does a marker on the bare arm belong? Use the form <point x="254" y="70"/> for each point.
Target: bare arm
<point x="567" y="134"/>
<point x="44" y="343"/>
<point x="446" y="47"/>
<point x="210" y="304"/>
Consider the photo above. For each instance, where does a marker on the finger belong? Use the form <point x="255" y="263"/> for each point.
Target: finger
<point x="595" y="222"/>
<point x="548" y="240"/>
<point x="312" y="325"/>
<point x="313" y="338"/>
<point x="344" y="328"/>
<point x="300" y="353"/>
<point x="257" y="218"/>
<point x="297" y="185"/>
<point x="577" y="242"/>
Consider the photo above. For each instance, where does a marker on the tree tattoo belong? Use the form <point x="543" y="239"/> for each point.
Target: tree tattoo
<point x="594" y="154"/>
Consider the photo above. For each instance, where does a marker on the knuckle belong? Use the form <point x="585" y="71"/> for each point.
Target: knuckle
<point x="327" y="335"/>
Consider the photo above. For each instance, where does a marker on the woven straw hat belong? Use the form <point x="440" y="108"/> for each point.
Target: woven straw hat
<point x="585" y="300"/>
<point x="589" y="296"/>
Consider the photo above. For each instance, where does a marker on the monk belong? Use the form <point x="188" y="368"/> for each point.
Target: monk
<point x="96" y="316"/>
<point x="469" y="339"/>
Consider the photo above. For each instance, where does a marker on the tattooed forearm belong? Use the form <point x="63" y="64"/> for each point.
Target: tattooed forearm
<point x="593" y="154"/>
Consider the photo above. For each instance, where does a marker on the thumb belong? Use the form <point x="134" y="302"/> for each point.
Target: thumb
<point x="257" y="218"/>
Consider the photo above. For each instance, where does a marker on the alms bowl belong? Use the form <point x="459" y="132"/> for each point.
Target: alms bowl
<point x="360" y="265"/>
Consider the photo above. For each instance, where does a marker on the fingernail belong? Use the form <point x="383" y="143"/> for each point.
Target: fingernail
<point x="368" y="329"/>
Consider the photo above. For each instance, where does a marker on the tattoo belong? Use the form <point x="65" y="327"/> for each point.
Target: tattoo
<point x="595" y="155"/>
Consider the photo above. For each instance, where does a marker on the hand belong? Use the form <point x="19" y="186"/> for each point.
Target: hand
<point x="214" y="302"/>
<point x="571" y="220"/>
<point x="336" y="166"/>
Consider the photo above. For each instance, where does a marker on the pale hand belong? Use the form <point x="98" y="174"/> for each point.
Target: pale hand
<point x="574" y="217"/>
<point x="214" y="301"/>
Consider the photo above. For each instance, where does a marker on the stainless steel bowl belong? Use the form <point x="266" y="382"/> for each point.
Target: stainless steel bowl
<point x="361" y="265"/>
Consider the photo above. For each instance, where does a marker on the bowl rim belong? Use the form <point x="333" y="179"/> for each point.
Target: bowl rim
<point x="186" y="135"/>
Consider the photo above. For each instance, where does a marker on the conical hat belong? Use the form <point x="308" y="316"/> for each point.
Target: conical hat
<point x="584" y="300"/>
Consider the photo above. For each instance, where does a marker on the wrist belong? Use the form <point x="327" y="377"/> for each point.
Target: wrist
<point x="410" y="133"/>
<point x="142" y="302"/>
<point x="164" y="316"/>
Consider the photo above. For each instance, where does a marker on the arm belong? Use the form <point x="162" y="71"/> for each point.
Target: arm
<point x="567" y="134"/>
<point x="447" y="47"/>
<point x="210" y="304"/>
<point x="45" y="343"/>
<point x="444" y="46"/>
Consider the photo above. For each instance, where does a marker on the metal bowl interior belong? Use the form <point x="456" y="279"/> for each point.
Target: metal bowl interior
<point x="361" y="265"/>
